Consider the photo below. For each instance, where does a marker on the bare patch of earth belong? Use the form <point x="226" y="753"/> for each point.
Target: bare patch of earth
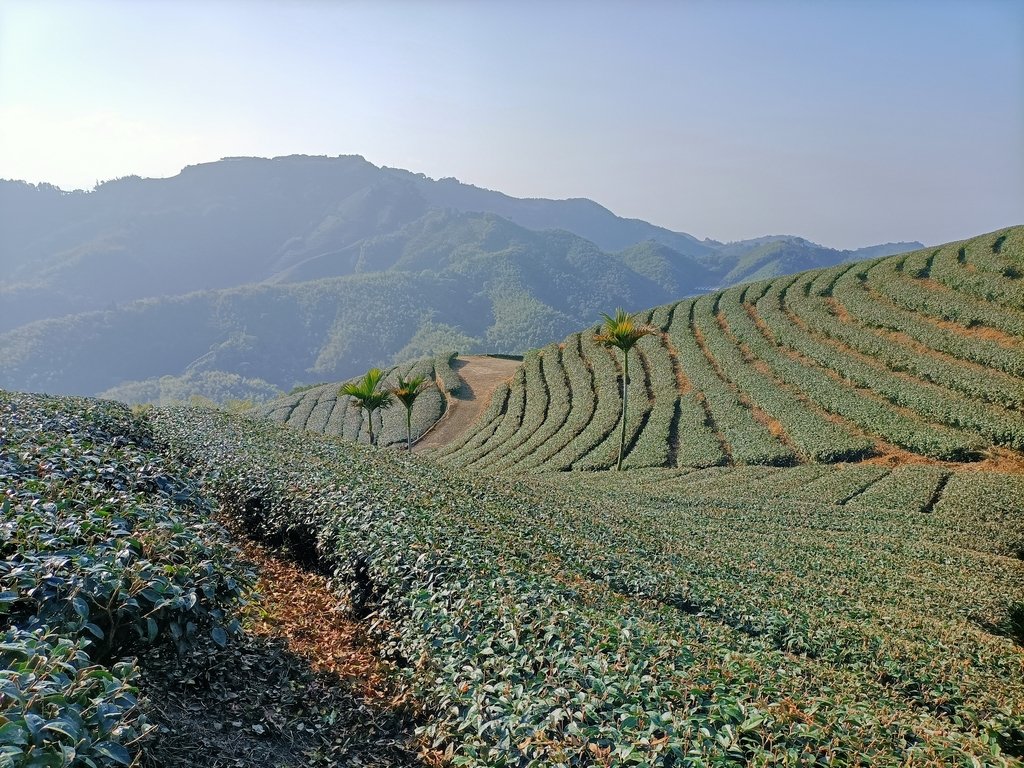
<point x="480" y="375"/>
<point x="301" y="687"/>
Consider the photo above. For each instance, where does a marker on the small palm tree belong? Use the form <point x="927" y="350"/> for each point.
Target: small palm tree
<point x="367" y="395"/>
<point x="620" y="331"/>
<point x="406" y="391"/>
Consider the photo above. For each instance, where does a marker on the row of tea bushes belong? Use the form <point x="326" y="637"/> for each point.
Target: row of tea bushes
<point x="831" y="365"/>
<point x="865" y="305"/>
<point x="615" y="618"/>
<point x="906" y="287"/>
<point x="946" y="405"/>
<point x="819" y="373"/>
<point x="321" y="409"/>
<point x="816" y="437"/>
<point x="103" y="553"/>
<point x="974" y="381"/>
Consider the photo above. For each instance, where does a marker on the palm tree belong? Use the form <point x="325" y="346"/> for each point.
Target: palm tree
<point x="620" y="331"/>
<point x="367" y="395"/>
<point x="406" y="391"/>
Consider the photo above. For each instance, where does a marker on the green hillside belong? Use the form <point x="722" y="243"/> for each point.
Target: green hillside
<point x="212" y="274"/>
<point x="527" y="289"/>
<point x="749" y="615"/>
<point x="724" y="616"/>
<point x="920" y="354"/>
<point x="322" y="409"/>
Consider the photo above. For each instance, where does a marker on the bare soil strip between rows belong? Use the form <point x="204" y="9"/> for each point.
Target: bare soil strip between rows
<point x="905" y="340"/>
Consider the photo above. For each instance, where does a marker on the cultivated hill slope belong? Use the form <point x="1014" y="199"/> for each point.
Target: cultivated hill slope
<point x="904" y="358"/>
<point x="459" y="387"/>
<point x="209" y="276"/>
<point x="322" y="409"/>
<point x="659" y="617"/>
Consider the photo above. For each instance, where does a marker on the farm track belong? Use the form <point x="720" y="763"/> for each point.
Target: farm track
<point x="480" y="376"/>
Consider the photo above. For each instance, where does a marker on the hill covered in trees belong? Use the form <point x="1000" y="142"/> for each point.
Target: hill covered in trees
<point x="216" y="272"/>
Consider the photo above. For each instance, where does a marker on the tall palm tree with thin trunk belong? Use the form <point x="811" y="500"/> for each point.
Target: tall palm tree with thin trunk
<point x="622" y="332"/>
<point x="368" y="395"/>
<point x="406" y="391"/>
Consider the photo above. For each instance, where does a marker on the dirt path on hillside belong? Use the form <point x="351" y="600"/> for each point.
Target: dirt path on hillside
<point x="480" y="376"/>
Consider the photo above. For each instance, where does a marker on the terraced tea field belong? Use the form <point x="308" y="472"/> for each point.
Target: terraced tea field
<point x="901" y="359"/>
<point x="816" y="558"/>
<point x="321" y="409"/>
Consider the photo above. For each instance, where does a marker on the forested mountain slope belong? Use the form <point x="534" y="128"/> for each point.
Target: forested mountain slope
<point x="245" y="220"/>
<point x="514" y="289"/>
<point x="443" y="264"/>
<point x="917" y="357"/>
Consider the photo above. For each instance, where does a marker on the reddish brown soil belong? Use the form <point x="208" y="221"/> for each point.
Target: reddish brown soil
<point x="933" y="285"/>
<point x="976" y="332"/>
<point x="681" y="379"/>
<point x="480" y="376"/>
<point x="302" y="685"/>
<point x="300" y="608"/>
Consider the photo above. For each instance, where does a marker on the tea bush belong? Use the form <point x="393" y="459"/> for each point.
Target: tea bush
<point x="321" y="409"/>
<point x="103" y="551"/>
<point x="656" y="617"/>
<point x="828" y="366"/>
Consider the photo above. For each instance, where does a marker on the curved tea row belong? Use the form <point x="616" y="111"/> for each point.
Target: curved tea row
<point x="321" y="409"/>
<point x="921" y="353"/>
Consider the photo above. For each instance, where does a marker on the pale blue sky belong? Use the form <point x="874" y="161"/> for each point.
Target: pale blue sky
<point x="846" y="122"/>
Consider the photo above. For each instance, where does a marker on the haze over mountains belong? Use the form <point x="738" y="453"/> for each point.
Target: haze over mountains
<point x="244" y="275"/>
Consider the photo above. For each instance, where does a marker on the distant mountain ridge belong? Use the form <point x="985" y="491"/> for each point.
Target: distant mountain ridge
<point x="255" y="245"/>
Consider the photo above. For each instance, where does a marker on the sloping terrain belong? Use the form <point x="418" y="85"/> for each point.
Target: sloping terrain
<point x="748" y="616"/>
<point x="900" y="359"/>
<point x="755" y="615"/>
<point x="200" y="283"/>
<point x="460" y="388"/>
<point x="323" y="409"/>
<point x="479" y="376"/>
<point x="131" y="634"/>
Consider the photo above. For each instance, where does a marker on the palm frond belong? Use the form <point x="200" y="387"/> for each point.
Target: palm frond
<point x="622" y="331"/>
<point x="365" y="391"/>
<point x="407" y="390"/>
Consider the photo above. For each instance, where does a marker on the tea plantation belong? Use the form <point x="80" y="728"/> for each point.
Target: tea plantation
<point x="921" y="354"/>
<point x="104" y="553"/>
<point x="815" y="558"/>
<point x="724" y="616"/>
<point x="322" y="409"/>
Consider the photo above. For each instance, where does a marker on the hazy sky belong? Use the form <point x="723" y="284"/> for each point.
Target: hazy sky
<point x="846" y="122"/>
